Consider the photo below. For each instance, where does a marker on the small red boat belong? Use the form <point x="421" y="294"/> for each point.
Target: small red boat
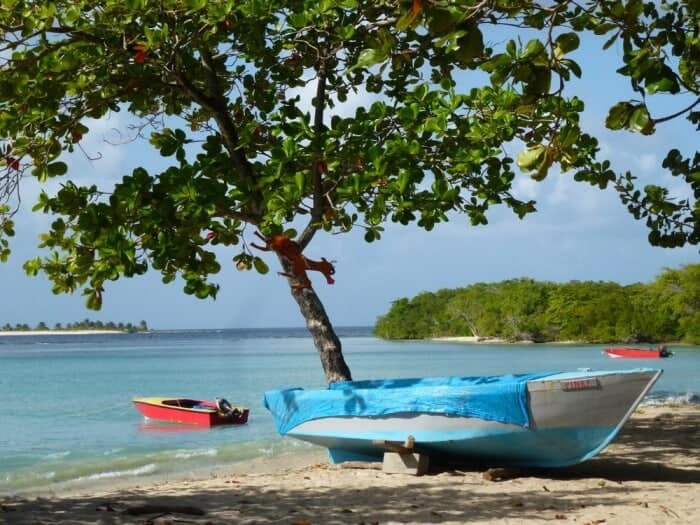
<point x="638" y="353"/>
<point x="193" y="411"/>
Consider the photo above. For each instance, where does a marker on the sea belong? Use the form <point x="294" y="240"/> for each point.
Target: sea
<point x="67" y="418"/>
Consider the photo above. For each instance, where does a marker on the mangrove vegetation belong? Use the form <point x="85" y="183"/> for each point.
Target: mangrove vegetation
<point x="519" y="310"/>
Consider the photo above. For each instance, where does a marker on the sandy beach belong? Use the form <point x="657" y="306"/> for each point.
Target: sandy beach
<point x="468" y="339"/>
<point x="649" y="475"/>
<point x="59" y="332"/>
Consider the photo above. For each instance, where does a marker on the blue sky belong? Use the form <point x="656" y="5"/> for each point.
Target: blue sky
<point x="579" y="233"/>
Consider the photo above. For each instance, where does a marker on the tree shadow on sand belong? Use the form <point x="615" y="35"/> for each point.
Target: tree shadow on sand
<point x="647" y="449"/>
<point x="416" y="501"/>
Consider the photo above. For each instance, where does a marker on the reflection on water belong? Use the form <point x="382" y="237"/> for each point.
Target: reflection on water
<point x="158" y="427"/>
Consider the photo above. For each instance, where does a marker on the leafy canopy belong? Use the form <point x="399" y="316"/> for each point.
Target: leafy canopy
<point x="667" y="309"/>
<point x="252" y="102"/>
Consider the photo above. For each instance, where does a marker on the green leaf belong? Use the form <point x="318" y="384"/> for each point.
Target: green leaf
<point x="530" y="158"/>
<point x="299" y="180"/>
<point x="619" y="115"/>
<point x="471" y="46"/>
<point x="533" y="49"/>
<point x="610" y="41"/>
<point x="664" y="84"/>
<point x="440" y="22"/>
<point x="568" y="136"/>
<point x="601" y="29"/>
<point x="421" y="91"/>
<point x="368" y="58"/>
<point x="404" y="179"/>
<point x="406" y="21"/>
<point x="571" y="66"/>
<point x="32" y="266"/>
<point x="93" y="301"/>
<point x="260" y="265"/>
<point x="641" y="121"/>
<point x="41" y="172"/>
<point x="567" y="42"/>
<point x="57" y="168"/>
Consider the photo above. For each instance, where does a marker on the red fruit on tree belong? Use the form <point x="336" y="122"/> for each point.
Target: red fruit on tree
<point x="12" y="163"/>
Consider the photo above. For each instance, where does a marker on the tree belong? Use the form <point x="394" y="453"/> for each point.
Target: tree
<point x="217" y="87"/>
<point x="667" y="309"/>
<point x="678" y="292"/>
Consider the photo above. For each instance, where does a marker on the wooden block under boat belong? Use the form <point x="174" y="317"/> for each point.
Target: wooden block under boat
<point x="396" y="446"/>
<point x="396" y="463"/>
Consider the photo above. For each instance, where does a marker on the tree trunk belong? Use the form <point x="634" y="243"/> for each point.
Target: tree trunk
<point x="325" y="339"/>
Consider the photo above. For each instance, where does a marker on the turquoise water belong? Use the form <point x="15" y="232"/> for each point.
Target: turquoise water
<point x="67" y="415"/>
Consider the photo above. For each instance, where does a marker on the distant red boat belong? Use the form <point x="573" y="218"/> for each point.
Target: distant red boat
<point x="192" y="411"/>
<point x="638" y="353"/>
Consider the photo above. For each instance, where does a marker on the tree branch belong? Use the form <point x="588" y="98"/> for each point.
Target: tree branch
<point x="237" y="215"/>
<point x="317" y="169"/>
<point x="228" y="127"/>
<point x="677" y="114"/>
<point x="217" y="104"/>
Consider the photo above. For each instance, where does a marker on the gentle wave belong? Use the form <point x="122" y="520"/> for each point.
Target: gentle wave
<point x="69" y="470"/>
<point x="58" y="455"/>
<point x="140" y="471"/>
<point x="196" y="453"/>
<point x="670" y="398"/>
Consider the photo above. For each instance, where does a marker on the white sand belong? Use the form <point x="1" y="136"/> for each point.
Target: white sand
<point x="468" y="339"/>
<point x="60" y="332"/>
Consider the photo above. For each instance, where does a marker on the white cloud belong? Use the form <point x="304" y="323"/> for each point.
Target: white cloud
<point x="526" y="188"/>
<point x="343" y="109"/>
<point x="647" y="162"/>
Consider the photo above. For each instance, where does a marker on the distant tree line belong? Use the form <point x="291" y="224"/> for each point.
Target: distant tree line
<point x="666" y="310"/>
<point x="85" y="324"/>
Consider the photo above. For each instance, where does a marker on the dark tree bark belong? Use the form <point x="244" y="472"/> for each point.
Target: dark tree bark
<point x="325" y="339"/>
<point x="317" y="322"/>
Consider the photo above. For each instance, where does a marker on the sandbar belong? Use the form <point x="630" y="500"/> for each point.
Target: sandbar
<point x="60" y="332"/>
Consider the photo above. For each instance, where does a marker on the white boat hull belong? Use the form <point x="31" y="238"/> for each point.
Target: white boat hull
<point x="573" y="416"/>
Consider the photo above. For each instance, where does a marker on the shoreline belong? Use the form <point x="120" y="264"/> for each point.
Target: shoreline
<point x="469" y="339"/>
<point x="60" y="332"/>
<point x="649" y="474"/>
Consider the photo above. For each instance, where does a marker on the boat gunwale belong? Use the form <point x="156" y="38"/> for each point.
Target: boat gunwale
<point x="206" y="410"/>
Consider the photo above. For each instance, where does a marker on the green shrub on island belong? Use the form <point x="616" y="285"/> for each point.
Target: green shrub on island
<point x="665" y="310"/>
<point x="83" y="325"/>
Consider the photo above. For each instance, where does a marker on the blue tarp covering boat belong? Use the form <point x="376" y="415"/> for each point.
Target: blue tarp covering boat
<point x="543" y="419"/>
<point x="492" y="398"/>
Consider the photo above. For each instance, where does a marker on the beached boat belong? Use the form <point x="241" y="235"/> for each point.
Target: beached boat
<point x="637" y="353"/>
<point x="192" y="411"/>
<point x="536" y="420"/>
